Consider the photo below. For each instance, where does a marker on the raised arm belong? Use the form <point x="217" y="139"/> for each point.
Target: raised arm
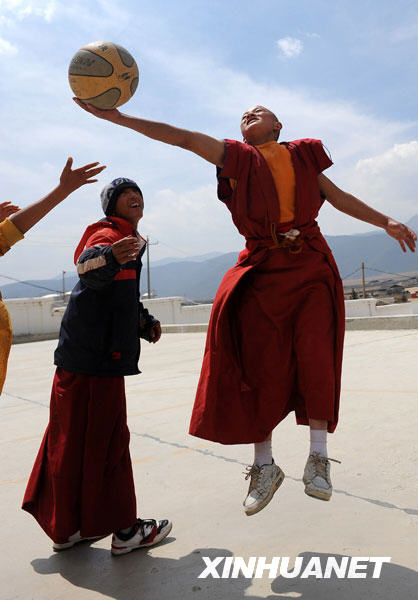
<point x="207" y="147"/>
<point x="350" y="205"/>
<point x="70" y="180"/>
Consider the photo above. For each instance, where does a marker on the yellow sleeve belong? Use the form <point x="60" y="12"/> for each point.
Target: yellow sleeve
<point x="9" y="235"/>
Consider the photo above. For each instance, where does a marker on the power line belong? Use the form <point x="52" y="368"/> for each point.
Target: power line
<point x="389" y="273"/>
<point x="41" y="287"/>
<point x="379" y="271"/>
<point x="349" y="275"/>
<point x="172" y="248"/>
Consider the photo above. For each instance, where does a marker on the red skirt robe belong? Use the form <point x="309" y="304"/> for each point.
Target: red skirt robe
<point x="275" y="336"/>
<point x="82" y="478"/>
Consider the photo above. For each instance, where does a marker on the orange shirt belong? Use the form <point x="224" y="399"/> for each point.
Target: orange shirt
<point x="280" y="164"/>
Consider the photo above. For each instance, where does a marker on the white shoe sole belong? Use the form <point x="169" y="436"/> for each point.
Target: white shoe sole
<point x="116" y="551"/>
<point x="252" y="510"/>
<point x="319" y="495"/>
<point x="67" y="545"/>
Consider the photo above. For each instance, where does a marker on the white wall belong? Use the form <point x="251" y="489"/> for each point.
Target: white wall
<point x="363" y="307"/>
<point x="170" y="310"/>
<point x="36" y="316"/>
<point x="41" y="317"/>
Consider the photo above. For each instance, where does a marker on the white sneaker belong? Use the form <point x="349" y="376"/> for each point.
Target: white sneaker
<point x="148" y="532"/>
<point x="265" y="480"/>
<point x="72" y="540"/>
<point x="316" y="476"/>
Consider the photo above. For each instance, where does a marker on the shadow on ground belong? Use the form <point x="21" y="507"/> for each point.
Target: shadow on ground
<point x="140" y="575"/>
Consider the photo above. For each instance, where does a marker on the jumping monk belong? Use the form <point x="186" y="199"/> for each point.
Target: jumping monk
<point x="275" y="337"/>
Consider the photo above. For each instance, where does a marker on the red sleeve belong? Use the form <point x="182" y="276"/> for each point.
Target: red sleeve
<point x="235" y="153"/>
<point x="237" y="160"/>
<point x="315" y="152"/>
<point x="104" y="237"/>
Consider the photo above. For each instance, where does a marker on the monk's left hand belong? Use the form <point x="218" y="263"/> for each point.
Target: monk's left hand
<point x="7" y="209"/>
<point x="155" y="333"/>
<point x="402" y="233"/>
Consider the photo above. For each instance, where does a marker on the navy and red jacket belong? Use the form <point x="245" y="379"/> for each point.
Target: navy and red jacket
<point x="104" y="319"/>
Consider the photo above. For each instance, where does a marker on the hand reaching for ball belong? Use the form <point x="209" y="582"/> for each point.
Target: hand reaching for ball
<point x="110" y="114"/>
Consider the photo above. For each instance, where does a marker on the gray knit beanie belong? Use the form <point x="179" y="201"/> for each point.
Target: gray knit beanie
<point x="110" y="193"/>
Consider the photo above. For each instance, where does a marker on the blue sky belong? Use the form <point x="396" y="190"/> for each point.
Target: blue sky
<point x="344" y="72"/>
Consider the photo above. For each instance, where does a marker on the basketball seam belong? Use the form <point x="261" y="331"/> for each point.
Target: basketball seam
<point x="87" y="75"/>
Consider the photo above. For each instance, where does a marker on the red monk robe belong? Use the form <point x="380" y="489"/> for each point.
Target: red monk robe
<point x="276" y="332"/>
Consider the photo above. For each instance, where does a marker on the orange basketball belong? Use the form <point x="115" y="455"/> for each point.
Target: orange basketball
<point x="103" y="74"/>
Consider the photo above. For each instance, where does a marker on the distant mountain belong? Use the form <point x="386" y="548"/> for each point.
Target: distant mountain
<point x="198" y="277"/>
<point x="199" y="258"/>
<point x="193" y="280"/>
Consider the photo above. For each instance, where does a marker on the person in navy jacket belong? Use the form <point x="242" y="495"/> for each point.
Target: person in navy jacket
<point x="82" y="486"/>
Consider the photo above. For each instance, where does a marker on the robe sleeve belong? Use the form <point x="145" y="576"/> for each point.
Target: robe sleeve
<point x="237" y="156"/>
<point x="9" y="235"/>
<point x="317" y="155"/>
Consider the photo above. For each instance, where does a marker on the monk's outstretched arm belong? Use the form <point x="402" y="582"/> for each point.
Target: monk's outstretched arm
<point x="350" y="205"/>
<point x="207" y="147"/>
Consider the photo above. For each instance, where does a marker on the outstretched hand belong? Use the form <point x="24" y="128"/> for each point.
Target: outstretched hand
<point x="402" y="233"/>
<point x="7" y="209"/>
<point x="111" y="114"/>
<point x="71" y="180"/>
<point x="126" y="249"/>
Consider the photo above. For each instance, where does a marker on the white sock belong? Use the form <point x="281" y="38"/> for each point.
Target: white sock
<point x="318" y="441"/>
<point x="263" y="453"/>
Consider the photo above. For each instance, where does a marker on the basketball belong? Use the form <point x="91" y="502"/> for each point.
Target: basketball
<point x="103" y="74"/>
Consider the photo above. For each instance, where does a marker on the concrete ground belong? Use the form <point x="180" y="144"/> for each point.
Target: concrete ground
<point x="200" y="487"/>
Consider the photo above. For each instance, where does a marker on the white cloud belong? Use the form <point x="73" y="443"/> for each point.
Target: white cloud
<point x="192" y="91"/>
<point x="405" y="32"/>
<point x="222" y="95"/>
<point x="24" y="8"/>
<point x="400" y="157"/>
<point x="6" y="47"/>
<point x="290" y="47"/>
<point x="386" y="181"/>
<point x="194" y="221"/>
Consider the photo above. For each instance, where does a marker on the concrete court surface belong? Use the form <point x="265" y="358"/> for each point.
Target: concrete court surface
<point x="199" y="485"/>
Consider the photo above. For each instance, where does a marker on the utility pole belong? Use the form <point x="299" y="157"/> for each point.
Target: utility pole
<point x="363" y="279"/>
<point x="148" y="267"/>
<point x="63" y="286"/>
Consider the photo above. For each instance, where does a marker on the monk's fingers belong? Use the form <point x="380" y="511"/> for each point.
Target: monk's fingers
<point x="10" y="210"/>
<point x="4" y="204"/>
<point x="81" y="104"/>
<point x="410" y="242"/>
<point x="402" y="245"/>
<point x="67" y="166"/>
<point x="93" y="172"/>
<point x="87" y="167"/>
